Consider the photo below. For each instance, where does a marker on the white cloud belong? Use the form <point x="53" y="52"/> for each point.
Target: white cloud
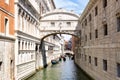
<point x="64" y="3"/>
<point x="76" y="5"/>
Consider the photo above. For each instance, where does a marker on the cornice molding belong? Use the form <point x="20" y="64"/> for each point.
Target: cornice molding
<point x="89" y="6"/>
<point x="7" y="12"/>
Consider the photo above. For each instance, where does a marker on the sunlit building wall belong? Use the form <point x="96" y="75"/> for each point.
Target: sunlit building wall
<point x="7" y="39"/>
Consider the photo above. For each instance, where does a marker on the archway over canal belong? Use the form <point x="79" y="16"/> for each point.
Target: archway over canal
<point x="56" y="22"/>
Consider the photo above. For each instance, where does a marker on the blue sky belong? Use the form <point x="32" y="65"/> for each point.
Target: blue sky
<point x="76" y="5"/>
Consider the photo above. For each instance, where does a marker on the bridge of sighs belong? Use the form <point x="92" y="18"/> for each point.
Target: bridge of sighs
<point x="58" y="22"/>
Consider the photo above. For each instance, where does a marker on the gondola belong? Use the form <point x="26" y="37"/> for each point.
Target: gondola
<point x="54" y="61"/>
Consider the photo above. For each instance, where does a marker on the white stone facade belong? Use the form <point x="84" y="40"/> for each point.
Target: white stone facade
<point x="27" y="54"/>
<point x="27" y="36"/>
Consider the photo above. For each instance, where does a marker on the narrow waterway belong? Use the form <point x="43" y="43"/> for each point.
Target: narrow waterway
<point x="62" y="71"/>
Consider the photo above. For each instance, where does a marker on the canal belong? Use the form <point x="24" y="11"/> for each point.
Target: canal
<point x="62" y="71"/>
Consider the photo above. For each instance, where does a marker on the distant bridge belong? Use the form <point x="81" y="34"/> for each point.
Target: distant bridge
<point x="68" y="51"/>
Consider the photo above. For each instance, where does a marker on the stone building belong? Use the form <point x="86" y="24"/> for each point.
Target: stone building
<point x="50" y="4"/>
<point x="7" y="40"/>
<point x="27" y="14"/>
<point x="99" y="53"/>
<point x="27" y="32"/>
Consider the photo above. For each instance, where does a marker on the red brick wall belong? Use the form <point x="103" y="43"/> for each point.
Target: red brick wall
<point x="10" y="9"/>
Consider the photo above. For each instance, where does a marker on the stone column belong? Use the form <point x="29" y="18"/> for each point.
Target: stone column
<point x="21" y="12"/>
<point x="25" y="22"/>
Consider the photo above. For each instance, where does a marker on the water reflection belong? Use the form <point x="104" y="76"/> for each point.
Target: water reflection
<point x="63" y="71"/>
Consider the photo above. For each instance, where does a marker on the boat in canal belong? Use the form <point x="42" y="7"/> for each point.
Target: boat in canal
<point x="54" y="61"/>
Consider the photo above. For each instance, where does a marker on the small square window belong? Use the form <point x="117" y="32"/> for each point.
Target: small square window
<point x="68" y="24"/>
<point x="52" y="24"/>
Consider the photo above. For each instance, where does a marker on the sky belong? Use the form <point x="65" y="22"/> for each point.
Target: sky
<point x="76" y="5"/>
<point x="67" y="37"/>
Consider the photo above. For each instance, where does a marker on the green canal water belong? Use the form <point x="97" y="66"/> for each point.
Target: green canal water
<point x="62" y="71"/>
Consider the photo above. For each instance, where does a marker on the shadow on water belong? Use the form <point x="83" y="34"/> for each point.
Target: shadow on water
<point x="62" y="71"/>
<point x="43" y="52"/>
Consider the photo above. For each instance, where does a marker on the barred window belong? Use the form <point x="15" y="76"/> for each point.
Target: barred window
<point x="96" y="60"/>
<point x="118" y="69"/>
<point x="90" y="18"/>
<point x="89" y="59"/>
<point x="105" y="65"/>
<point x="105" y="29"/>
<point x="96" y="11"/>
<point x="96" y="33"/>
<point x="118" y="24"/>
<point x="104" y="3"/>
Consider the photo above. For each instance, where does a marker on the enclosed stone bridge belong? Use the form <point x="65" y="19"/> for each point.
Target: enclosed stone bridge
<point x="59" y="21"/>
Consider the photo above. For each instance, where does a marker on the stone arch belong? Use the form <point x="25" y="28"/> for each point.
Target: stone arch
<point x="59" y="33"/>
